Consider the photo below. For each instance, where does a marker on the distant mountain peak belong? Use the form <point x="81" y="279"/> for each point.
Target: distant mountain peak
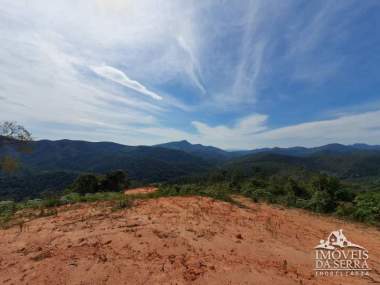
<point x="205" y="152"/>
<point x="185" y="142"/>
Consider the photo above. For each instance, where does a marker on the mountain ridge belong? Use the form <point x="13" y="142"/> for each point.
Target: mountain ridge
<point x="199" y="149"/>
<point x="187" y="146"/>
<point x="64" y="160"/>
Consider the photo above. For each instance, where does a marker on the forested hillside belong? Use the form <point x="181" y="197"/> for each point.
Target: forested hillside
<point x="50" y="166"/>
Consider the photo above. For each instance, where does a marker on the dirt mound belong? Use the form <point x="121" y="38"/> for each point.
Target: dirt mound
<point x="177" y="240"/>
<point x="141" y="190"/>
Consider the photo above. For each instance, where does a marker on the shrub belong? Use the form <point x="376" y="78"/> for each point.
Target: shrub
<point x="49" y="202"/>
<point x="367" y="207"/>
<point x="262" y="195"/>
<point x="123" y="203"/>
<point x="321" y="202"/>
<point x="86" y="183"/>
<point x="291" y="199"/>
<point x="71" y="198"/>
<point x="7" y="208"/>
<point x="114" y="181"/>
<point x="33" y="204"/>
<point x="345" y="209"/>
<point x="302" y="203"/>
<point x="344" y="195"/>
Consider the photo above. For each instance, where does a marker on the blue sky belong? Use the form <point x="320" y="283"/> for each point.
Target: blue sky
<point x="234" y="74"/>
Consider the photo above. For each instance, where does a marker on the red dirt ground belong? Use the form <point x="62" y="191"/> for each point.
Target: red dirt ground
<point x="142" y="190"/>
<point x="177" y="240"/>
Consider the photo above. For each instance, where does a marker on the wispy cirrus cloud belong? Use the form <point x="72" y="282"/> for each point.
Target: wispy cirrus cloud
<point x="209" y="71"/>
<point x="192" y="66"/>
<point x="120" y="77"/>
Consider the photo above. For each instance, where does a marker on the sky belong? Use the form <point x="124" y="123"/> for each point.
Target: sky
<point x="233" y="74"/>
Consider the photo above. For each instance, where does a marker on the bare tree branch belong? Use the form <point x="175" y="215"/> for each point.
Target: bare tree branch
<point x="16" y="136"/>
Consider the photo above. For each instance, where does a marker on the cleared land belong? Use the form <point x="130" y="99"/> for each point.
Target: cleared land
<point x="176" y="240"/>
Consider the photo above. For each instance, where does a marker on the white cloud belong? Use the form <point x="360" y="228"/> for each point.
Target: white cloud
<point x="192" y="64"/>
<point x="237" y="136"/>
<point x="348" y="129"/>
<point x="252" y="132"/>
<point x="46" y="51"/>
<point x="227" y="53"/>
<point x="44" y="90"/>
<point x="120" y="77"/>
<point x="248" y="133"/>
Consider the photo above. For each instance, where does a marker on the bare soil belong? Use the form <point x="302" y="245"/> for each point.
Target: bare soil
<point x="141" y="190"/>
<point x="176" y="240"/>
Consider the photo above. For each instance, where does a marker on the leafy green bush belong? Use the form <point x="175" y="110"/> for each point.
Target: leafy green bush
<point x="124" y="203"/>
<point x="86" y="183"/>
<point x="7" y="207"/>
<point x="90" y="183"/>
<point x="72" y="198"/>
<point x="367" y="207"/>
<point x="33" y="204"/>
<point x="113" y="181"/>
<point x="345" y="195"/>
<point x="49" y="202"/>
<point x="262" y="195"/>
<point x="321" y="202"/>
<point x="220" y="191"/>
<point x="302" y="203"/>
<point x="345" y="209"/>
<point x="7" y="210"/>
<point x="291" y="199"/>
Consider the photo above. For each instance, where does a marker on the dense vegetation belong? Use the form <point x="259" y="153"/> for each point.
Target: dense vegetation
<point x="40" y="167"/>
<point x="142" y="162"/>
<point x="114" y="181"/>
<point x="85" y="188"/>
<point x="334" y="179"/>
<point x="311" y="191"/>
<point x="62" y="161"/>
<point x="315" y="192"/>
<point x="30" y="186"/>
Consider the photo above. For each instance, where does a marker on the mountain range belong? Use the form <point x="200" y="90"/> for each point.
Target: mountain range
<point x="299" y="151"/>
<point x="173" y="160"/>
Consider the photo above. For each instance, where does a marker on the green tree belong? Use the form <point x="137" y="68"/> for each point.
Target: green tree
<point x="85" y="183"/>
<point x="293" y="186"/>
<point x="324" y="189"/>
<point x="114" y="181"/>
<point x="321" y="202"/>
<point x="326" y="183"/>
<point x="236" y="178"/>
<point x="367" y="207"/>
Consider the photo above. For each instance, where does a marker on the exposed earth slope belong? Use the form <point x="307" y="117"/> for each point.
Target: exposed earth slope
<point x="177" y="240"/>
